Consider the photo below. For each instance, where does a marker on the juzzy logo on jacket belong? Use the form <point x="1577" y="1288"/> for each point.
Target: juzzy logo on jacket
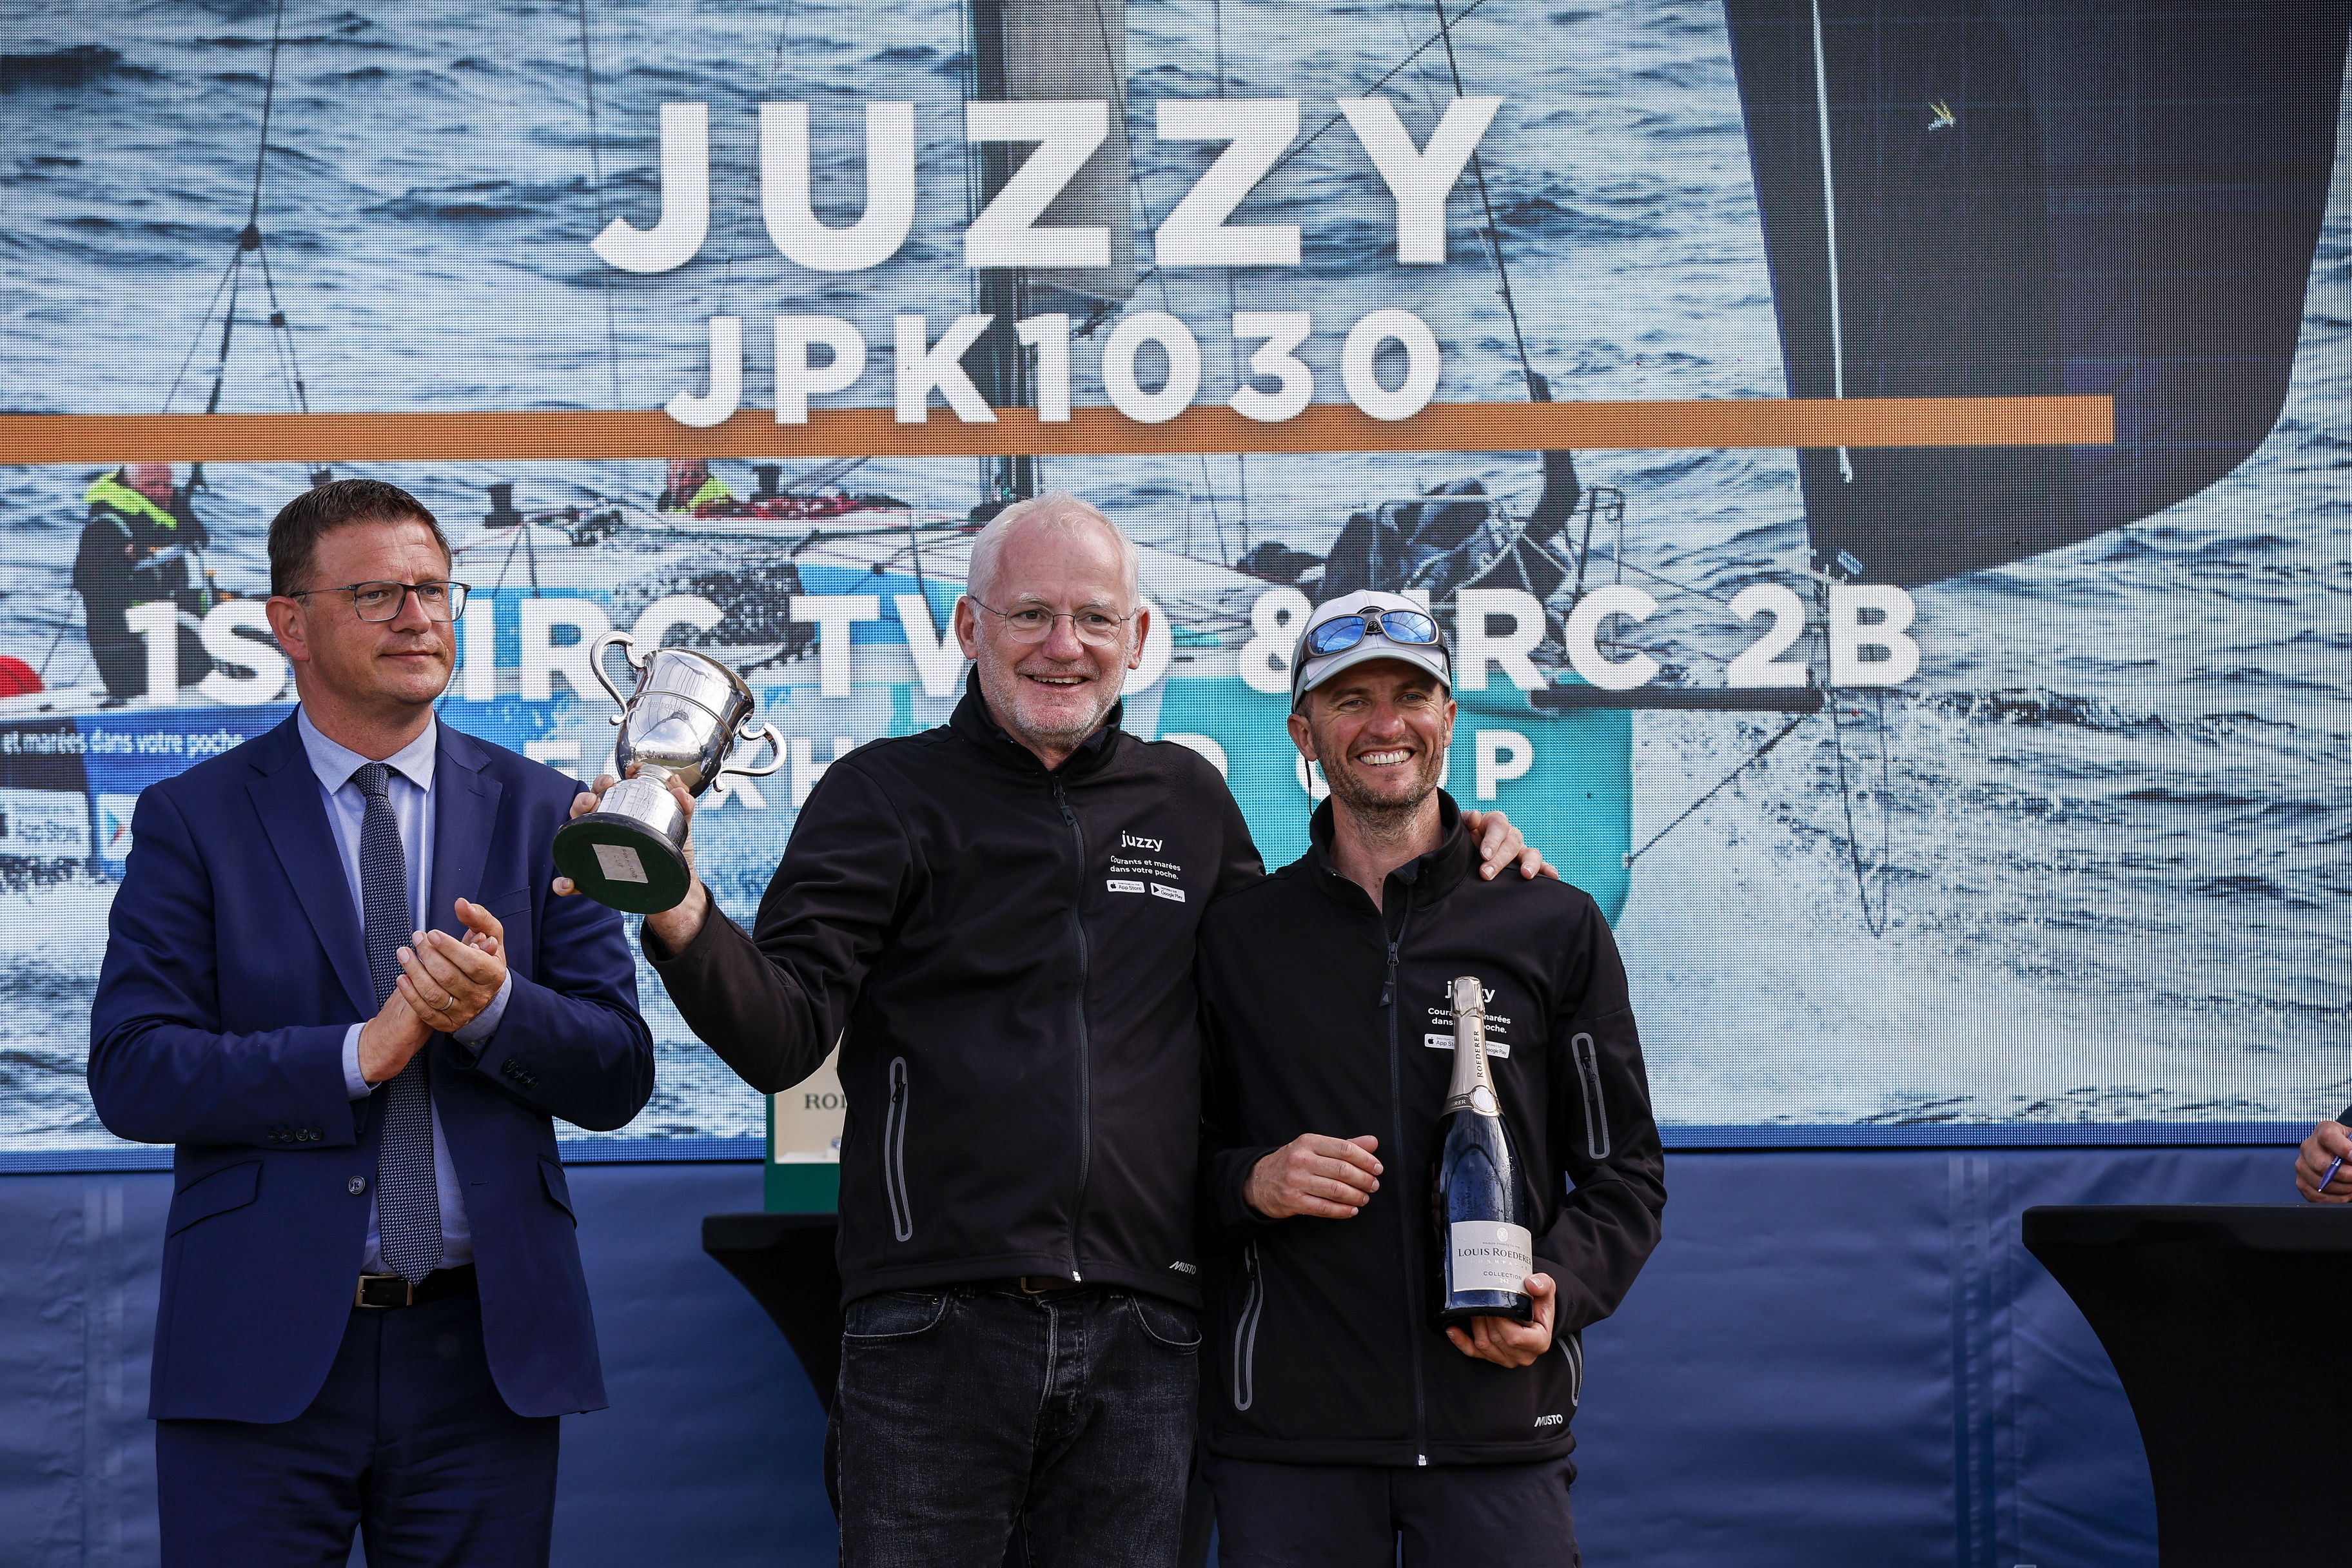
<point x="1440" y="1036"/>
<point x="1140" y="865"/>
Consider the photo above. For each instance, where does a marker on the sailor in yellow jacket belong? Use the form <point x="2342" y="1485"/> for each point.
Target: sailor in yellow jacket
<point x="691" y="487"/>
<point x="135" y="551"/>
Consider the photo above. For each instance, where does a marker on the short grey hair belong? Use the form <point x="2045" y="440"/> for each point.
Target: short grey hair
<point x="1058" y="510"/>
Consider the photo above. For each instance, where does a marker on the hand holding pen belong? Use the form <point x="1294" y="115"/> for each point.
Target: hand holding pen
<point x="2319" y="1173"/>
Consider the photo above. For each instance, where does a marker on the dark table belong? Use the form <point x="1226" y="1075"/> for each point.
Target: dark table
<point x="785" y="1260"/>
<point x="2228" y="1325"/>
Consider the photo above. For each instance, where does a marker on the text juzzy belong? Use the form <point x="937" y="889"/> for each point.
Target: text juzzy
<point x="1066" y="134"/>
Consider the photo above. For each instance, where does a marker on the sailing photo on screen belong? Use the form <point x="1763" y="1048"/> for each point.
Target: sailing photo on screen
<point x="1881" y="476"/>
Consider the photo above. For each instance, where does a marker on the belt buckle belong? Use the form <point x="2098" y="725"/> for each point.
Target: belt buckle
<point x="358" y="1293"/>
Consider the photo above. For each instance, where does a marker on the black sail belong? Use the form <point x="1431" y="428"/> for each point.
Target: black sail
<point x="2059" y="196"/>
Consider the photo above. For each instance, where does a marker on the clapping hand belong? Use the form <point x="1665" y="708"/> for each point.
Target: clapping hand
<point x="448" y="983"/>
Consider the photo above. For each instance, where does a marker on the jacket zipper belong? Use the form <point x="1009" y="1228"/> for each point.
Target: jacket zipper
<point x="1085" y="1082"/>
<point x="894" y="1155"/>
<point x="1596" y="1110"/>
<point x="1574" y="1345"/>
<point x="1246" y="1334"/>
<point x="1405" y="1208"/>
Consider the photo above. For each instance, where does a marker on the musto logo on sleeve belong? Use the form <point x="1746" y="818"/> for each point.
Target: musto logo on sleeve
<point x="1489" y="1256"/>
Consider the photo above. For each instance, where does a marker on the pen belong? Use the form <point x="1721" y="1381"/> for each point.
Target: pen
<point x="2333" y="1166"/>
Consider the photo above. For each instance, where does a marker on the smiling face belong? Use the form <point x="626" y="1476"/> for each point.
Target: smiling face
<point x="1381" y="730"/>
<point x="1052" y="695"/>
<point x="372" y="675"/>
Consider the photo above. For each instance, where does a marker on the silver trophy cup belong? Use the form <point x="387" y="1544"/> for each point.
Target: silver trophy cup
<point x="681" y="724"/>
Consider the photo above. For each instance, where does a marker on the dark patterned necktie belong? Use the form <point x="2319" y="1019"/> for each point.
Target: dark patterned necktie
<point x="408" y="1208"/>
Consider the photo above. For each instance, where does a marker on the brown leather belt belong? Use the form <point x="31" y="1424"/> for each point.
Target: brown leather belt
<point x="390" y="1290"/>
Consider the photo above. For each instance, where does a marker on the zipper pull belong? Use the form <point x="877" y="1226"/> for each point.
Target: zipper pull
<point x="1387" y="986"/>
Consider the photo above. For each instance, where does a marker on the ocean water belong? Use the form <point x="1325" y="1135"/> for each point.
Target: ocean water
<point x="2090" y="865"/>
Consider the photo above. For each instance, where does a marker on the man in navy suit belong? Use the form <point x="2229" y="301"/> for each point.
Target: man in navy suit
<point x="335" y="979"/>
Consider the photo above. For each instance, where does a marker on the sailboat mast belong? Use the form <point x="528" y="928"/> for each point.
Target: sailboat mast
<point x="1002" y="374"/>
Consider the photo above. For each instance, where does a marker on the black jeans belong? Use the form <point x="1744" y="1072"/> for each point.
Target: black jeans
<point x="967" y="1412"/>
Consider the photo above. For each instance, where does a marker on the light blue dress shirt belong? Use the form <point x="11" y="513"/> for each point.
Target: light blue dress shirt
<point x="410" y="792"/>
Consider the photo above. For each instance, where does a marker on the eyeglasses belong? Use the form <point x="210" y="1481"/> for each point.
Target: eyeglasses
<point x="1035" y="623"/>
<point x="1343" y="632"/>
<point x="382" y="601"/>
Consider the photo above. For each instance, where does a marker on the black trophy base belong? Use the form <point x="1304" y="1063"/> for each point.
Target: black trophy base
<point x="622" y="864"/>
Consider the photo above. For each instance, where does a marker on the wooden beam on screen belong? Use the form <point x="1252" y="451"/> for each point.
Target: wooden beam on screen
<point x="554" y="435"/>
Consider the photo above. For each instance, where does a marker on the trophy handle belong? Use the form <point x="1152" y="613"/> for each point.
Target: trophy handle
<point x="628" y="646"/>
<point x="764" y="733"/>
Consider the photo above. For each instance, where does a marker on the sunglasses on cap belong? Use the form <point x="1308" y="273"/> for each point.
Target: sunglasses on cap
<point x="1341" y="633"/>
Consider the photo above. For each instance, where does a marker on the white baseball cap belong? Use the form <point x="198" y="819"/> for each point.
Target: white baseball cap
<point x="1306" y="674"/>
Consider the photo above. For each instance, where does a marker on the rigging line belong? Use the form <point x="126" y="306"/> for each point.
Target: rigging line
<point x="229" y="325"/>
<point x="248" y="237"/>
<point x="289" y="364"/>
<point x="1486" y="202"/>
<point x="968" y="42"/>
<point x="1143" y="200"/>
<point x="198" y="340"/>
<point x="1754" y="757"/>
<point x="975" y="181"/>
<point x="65" y="625"/>
<point x="1232" y="302"/>
<point x="757" y="197"/>
<point x="1669" y="582"/>
<point x="1874" y="921"/>
<point x="1401" y="67"/>
<point x="508" y="564"/>
<point x="597" y="178"/>
<point x="269" y="101"/>
<point x="1886" y="815"/>
<point x="1829" y="227"/>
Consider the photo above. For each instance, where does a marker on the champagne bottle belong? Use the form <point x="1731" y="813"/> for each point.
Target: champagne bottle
<point x="1482" y="1246"/>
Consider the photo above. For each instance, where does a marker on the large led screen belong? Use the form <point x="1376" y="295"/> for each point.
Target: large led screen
<point x="1884" y="465"/>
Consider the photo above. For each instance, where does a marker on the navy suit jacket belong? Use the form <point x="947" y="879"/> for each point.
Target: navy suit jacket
<point x="233" y="968"/>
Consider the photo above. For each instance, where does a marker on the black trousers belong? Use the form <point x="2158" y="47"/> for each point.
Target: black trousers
<point x="1358" y="1516"/>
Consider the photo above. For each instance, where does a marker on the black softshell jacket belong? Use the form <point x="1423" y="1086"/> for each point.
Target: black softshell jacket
<point x="1324" y="1014"/>
<point x="1010" y="953"/>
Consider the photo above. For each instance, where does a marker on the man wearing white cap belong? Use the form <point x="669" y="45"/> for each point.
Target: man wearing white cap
<point x="1341" y="1428"/>
<point x="1017" y="1238"/>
